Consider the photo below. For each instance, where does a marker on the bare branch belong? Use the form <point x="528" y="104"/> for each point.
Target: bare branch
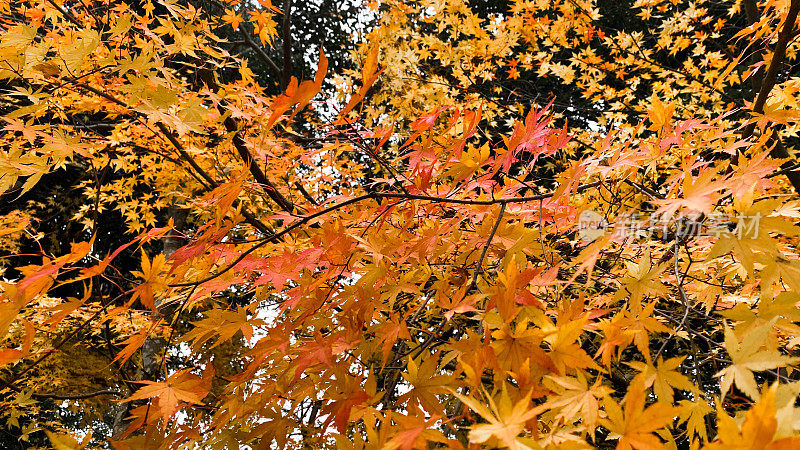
<point x="76" y="396"/>
<point x="374" y="195"/>
<point x="763" y="84"/>
<point x="241" y="147"/>
<point x="287" y="43"/>
<point x="260" y="52"/>
<point x="778" y="56"/>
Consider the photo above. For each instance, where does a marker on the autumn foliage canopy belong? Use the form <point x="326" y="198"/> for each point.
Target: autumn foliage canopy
<point x="485" y="224"/>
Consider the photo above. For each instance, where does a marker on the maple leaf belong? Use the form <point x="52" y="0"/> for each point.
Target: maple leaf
<point x="232" y="18"/>
<point x="778" y="267"/>
<point x="519" y="344"/>
<point x="693" y="413"/>
<point x="299" y="94"/>
<point x="426" y="385"/>
<point x="265" y="25"/>
<point x="758" y="431"/>
<point x="752" y="174"/>
<point x="565" y="352"/>
<point x="512" y="288"/>
<point x="222" y="324"/>
<point x="181" y="386"/>
<point x="132" y="344"/>
<point x="10" y="355"/>
<point x="506" y="420"/>
<point x="659" y="113"/>
<point x="415" y="431"/>
<point x="152" y="272"/>
<point x="369" y="74"/>
<point x="349" y="396"/>
<point x="634" y="427"/>
<point x="575" y="399"/>
<point x="751" y="240"/>
<point x="699" y="194"/>
<point x="627" y="327"/>
<point x="38" y="277"/>
<point x="663" y="377"/>
<point x="747" y="357"/>
<point x="644" y="280"/>
<point x="66" y="442"/>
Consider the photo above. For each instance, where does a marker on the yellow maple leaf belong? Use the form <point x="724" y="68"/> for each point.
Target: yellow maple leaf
<point x="426" y="384"/>
<point x="66" y="442"/>
<point x="758" y="431"/>
<point x="505" y="420"/>
<point x="182" y="386"/>
<point x="663" y="377"/>
<point x="747" y="357"/>
<point x="575" y="399"/>
<point x="230" y="17"/>
<point x="659" y="113"/>
<point x="153" y="279"/>
<point x="634" y="426"/>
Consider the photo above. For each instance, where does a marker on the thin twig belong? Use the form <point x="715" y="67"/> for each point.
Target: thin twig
<point x="479" y="265"/>
<point x="684" y="299"/>
<point x="375" y="195"/>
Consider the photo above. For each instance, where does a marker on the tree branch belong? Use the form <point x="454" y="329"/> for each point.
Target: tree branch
<point x="260" y="52"/>
<point x="287" y="43"/>
<point x="479" y="264"/>
<point x="68" y="15"/>
<point x="305" y="193"/>
<point x="778" y="54"/>
<point x="75" y="396"/>
<point x="212" y="183"/>
<point x="241" y="147"/>
<point x="763" y="84"/>
<point x="374" y="195"/>
<point x="751" y="12"/>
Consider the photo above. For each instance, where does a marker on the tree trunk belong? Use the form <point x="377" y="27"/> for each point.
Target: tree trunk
<point x="153" y="347"/>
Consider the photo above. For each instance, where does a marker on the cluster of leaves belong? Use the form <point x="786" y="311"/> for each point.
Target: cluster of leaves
<point x="398" y="259"/>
